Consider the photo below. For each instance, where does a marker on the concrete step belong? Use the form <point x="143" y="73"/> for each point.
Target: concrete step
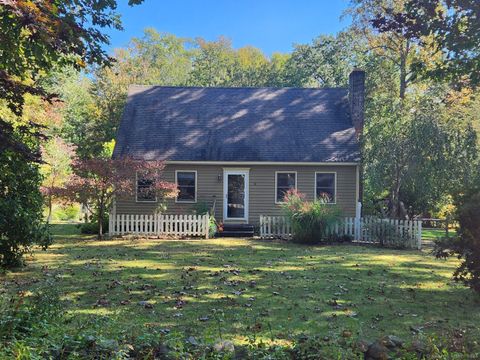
<point x="243" y="234"/>
<point x="236" y="230"/>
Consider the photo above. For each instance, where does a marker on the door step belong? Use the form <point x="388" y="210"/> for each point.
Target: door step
<point x="236" y="230"/>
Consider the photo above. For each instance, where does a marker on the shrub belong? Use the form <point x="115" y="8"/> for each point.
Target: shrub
<point x="336" y="238"/>
<point x="310" y="220"/>
<point x="23" y="316"/>
<point x="92" y="228"/>
<point x="466" y="245"/>
<point x="201" y="208"/>
<point x="21" y="218"/>
<point x="212" y="227"/>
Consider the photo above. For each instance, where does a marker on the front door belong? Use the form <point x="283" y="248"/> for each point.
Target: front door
<point x="235" y="195"/>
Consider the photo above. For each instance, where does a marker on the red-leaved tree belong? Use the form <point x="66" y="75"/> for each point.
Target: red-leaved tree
<point x="96" y="182"/>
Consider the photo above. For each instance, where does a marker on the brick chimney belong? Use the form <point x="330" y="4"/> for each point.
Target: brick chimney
<point x="356" y="98"/>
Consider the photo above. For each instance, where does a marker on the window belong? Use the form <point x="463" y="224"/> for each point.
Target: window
<point x="325" y="187"/>
<point x="284" y="181"/>
<point x="145" y="193"/>
<point x="187" y="186"/>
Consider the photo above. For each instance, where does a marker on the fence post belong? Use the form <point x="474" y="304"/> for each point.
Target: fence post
<point x="206" y="224"/>
<point x="419" y="235"/>
<point x="358" y="215"/>
<point x="112" y="216"/>
<point x="261" y="226"/>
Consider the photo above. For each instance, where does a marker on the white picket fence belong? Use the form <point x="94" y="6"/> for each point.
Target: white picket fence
<point x="365" y="230"/>
<point x="275" y="226"/>
<point x="159" y="224"/>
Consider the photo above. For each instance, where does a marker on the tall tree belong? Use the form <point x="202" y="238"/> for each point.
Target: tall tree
<point x="213" y="64"/>
<point x="448" y="28"/>
<point x="328" y="61"/>
<point x="414" y="154"/>
<point x="280" y="71"/>
<point x="251" y="67"/>
<point x="57" y="157"/>
<point x="393" y="46"/>
<point x="35" y="36"/>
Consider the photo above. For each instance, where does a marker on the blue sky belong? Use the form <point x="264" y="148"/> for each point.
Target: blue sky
<point x="271" y="25"/>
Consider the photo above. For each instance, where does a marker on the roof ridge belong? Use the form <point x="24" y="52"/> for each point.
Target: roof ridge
<point x="237" y="87"/>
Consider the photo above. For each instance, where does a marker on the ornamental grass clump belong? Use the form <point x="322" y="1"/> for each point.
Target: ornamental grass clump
<point x="310" y="220"/>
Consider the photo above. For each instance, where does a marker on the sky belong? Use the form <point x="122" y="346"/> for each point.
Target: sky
<point x="271" y="25"/>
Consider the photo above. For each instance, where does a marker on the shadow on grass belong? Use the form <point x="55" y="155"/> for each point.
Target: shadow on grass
<point x="231" y="287"/>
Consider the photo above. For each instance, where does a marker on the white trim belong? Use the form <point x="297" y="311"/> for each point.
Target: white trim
<point x="136" y="192"/>
<point x="176" y="183"/>
<point x="284" y="172"/>
<point x="236" y="169"/>
<point x="246" y="199"/>
<point x="233" y="163"/>
<point x="357" y="186"/>
<point x="315" y="185"/>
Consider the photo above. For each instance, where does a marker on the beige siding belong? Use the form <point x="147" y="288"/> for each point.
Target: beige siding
<point x="261" y="192"/>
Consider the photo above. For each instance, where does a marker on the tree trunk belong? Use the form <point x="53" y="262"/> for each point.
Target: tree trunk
<point x="100" y="221"/>
<point x="395" y="197"/>
<point x="49" y="217"/>
<point x="403" y="69"/>
<point x="403" y="75"/>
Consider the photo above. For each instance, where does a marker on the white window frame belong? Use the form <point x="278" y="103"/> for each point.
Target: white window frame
<point x="276" y="181"/>
<point x="196" y="185"/>
<point x="136" y="192"/>
<point x="334" y="202"/>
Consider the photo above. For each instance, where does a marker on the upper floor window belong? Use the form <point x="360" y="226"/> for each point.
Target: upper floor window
<point x="187" y="186"/>
<point x="325" y="187"/>
<point x="284" y="181"/>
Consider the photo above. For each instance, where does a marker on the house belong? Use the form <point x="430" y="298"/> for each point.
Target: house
<point x="239" y="149"/>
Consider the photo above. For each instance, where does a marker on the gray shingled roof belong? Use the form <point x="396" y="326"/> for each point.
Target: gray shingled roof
<point x="237" y="124"/>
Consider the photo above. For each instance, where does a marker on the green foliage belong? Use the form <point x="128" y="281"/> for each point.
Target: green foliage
<point x="20" y="209"/>
<point x="201" y="208"/>
<point x="80" y="125"/>
<point x="92" y="227"/>
<point x="414" y="153"/>
<point x="216" y="63"/>
<point x="213" y="64"/>
<point x="66" y="212"/>
<point x="23" y="316"/>
<point x="328" y="61"/>
<point x="36" y="37"/>
<point x="447" y="28"/>
<point x="212" y="226"/>
<point x="466" y="245"/>
<point x="310" y="220"/>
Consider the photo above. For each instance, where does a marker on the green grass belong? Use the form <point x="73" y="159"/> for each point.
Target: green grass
<point x="233" y="288"/>
<point x="432" y="234"/>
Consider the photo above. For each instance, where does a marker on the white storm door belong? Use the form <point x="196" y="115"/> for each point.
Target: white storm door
<point x="235" y="194"/>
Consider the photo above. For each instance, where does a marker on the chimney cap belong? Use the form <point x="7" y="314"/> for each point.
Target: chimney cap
<point x="357" y="69"/>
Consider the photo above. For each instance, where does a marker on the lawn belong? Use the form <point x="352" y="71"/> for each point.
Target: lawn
<point x="432" y="234"/>
<point x="238" y="289"/>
